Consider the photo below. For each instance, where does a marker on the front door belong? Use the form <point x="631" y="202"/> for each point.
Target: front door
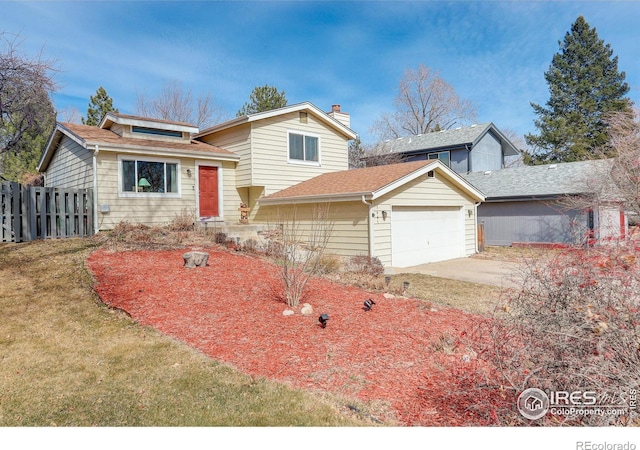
<point x="208" y="184"/>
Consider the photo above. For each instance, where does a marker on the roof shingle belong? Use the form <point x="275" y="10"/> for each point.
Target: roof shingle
<point x="356" y="181"/>
<point x="91" y="134"/>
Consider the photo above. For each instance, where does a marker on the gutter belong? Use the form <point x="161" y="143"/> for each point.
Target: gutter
<point x="370" y="222"/>
<point x="96" y="150"/>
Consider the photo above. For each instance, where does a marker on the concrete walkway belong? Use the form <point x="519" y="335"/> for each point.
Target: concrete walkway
<point x="475" y="270"/>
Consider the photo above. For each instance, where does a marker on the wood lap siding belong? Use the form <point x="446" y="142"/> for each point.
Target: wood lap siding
<point x="148" y="210"/>
<point x="270" y="164"/>
<point x="421" y="192"/>
<point x="71" y="167"/>
<point x="350" y="228"/>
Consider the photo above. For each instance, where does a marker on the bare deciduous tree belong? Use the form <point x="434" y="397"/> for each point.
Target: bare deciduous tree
<point x="624" y="139"/>
<point x="179" y="104"/>
<point x="25" y="84"/>
<point x="425" y="103"/>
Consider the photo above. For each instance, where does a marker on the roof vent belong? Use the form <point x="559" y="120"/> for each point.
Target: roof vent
<point x="474" y="125"/>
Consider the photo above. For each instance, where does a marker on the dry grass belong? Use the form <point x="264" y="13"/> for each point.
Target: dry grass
<point x="471" y="297"/>
<point x="68" y="360"/>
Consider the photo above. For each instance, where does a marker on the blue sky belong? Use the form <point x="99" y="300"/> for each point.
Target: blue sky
<point x="353" y="53"/>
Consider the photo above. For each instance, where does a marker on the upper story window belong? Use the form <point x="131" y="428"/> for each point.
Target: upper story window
<point x="445" y="157"/>
<point x="148" y="177"/>
<point x="304" y="148"/>
<point x="156" y="131"/>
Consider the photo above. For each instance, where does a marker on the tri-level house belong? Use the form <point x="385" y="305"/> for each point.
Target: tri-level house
<point x="266" y="165"/>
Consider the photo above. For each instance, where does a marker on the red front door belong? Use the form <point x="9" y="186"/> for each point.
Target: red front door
<point x="208" y="182"/>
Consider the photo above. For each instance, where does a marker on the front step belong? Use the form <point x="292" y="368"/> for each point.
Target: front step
<point x="234" y="231"/>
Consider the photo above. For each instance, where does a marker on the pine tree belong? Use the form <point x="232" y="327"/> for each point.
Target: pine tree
<point x="99" y="105"/>
<point x="263" y="98"/>
<point x="585" y="86"/>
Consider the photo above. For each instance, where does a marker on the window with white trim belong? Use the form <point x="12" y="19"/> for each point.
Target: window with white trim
<point x="304" y="148"/>
<point x="148" y="176"/>
<point x="445" y="157"/>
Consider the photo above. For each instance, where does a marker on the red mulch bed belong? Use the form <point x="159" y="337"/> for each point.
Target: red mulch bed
<point x="229" y="311"/>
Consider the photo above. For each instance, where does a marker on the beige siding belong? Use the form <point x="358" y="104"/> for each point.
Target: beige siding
<point x="349" y="234"/>
<point x="420" y="192"/>
<point x="270" y="151"/>
<point x="71" y="166"/>
<point x="263" y="148"/>
<point x="159" y="210"/>
<point x="237" y="140"/>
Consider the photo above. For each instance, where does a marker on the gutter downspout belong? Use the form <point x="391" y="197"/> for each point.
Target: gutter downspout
<point x="96" y="227"/>
<point x="475" y="214"/>
<point x="370" y="222"/>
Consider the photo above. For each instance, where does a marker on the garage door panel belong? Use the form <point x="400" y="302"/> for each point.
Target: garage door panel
<point x="422" y="235"/>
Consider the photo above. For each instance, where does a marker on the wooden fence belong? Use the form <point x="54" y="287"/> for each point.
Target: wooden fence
<point x="30" y="213"/>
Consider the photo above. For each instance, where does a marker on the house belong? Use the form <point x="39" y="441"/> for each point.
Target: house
<point x="552" y="203"/>
<point x="148" y="171"/>
<point x="475" y="148"/>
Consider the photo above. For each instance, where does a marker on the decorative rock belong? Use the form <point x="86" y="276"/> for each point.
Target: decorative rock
<point x="288" y="312"/>
<point x="306" y="309"/>
<point x="195" y="259"/>
<point x="387" y="295"/>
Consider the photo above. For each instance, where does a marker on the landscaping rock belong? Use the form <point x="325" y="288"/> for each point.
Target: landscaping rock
<point x="387" y="295"/>
<point x="288" y="312"/>
<point x="306" y="309"/>
<point x="195" y="259"/>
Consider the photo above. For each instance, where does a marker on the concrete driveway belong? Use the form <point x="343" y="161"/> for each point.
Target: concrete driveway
<point x="475" y="270"/>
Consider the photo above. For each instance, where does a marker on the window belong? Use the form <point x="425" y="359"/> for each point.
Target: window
<point x="156" y="131"/>
<point x="304" y="148"/>
<point x="149" y="177"/>
<point x="445" y="157"/>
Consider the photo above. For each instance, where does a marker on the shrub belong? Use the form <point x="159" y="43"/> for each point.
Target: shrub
<point x="368" y="265"/>
<point x="573" y="324"/>
<point x="184" y="221"/>
<point x="221" y="238"/>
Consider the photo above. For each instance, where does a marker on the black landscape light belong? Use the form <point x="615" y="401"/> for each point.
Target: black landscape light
<point x="368" y="304"/>
<point x="323" y="320"/>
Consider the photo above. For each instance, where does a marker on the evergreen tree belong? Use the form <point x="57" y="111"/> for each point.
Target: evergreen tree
<point x="100" y="104"/>
<point x="584" y="85"/>
<point x="263" y="98"/>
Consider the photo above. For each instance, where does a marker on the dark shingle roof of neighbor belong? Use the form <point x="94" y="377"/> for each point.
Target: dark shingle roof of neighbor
<point x="542" y="181"/>
<point x="448" y="138"/>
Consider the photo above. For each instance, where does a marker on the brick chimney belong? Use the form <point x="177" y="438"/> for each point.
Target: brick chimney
<point x="340" y="116"/>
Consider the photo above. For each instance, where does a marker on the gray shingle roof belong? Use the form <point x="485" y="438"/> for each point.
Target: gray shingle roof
<point x="457" y="137"/>
<point x="542" y="181"/>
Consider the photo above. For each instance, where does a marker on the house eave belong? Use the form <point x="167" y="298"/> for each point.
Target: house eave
<point x="159" y="151"/>
<point x="54" y="140"/>
<point x="305" y="106"/>
<point x="333" y="198"/>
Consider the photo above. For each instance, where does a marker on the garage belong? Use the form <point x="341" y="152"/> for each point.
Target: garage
<point x="422" y="235"/>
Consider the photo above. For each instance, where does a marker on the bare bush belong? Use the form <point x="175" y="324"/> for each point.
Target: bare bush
<point x="365" y="264"/>
<point x="183" y="221"/>
<point x="572" y="325"/>
<point x="300" y="245"/>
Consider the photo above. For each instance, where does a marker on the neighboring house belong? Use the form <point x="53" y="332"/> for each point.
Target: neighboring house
<point x="549" y="204"/>
<point x="475" y="148"/>
<point x="293" y="158"/>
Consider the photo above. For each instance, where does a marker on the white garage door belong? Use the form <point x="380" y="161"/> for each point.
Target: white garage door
<point x="424" y="235"/>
